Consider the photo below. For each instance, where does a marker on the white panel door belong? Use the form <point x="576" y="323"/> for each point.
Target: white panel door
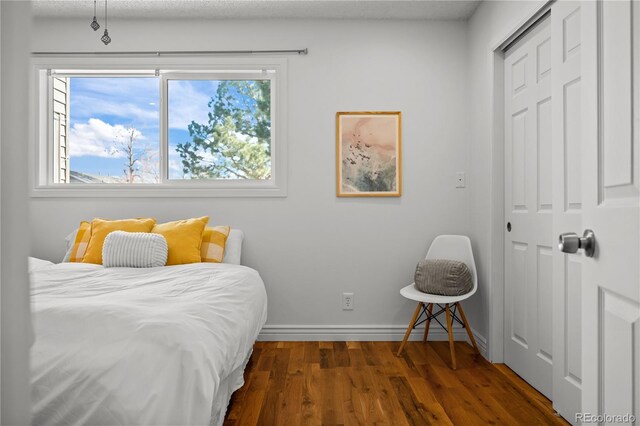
<point x="529" y="236"/>
<point x="611" y="188"/>
<point x="568" y="203"/>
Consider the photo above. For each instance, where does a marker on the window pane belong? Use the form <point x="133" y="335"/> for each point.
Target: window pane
<point x="113" y="130"/>
<point x="219" y="129"/>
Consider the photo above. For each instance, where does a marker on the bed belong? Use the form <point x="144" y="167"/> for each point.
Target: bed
<point x="152" y="346"/>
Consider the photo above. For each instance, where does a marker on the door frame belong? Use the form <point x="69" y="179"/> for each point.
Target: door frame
<point x="495" y="350"/>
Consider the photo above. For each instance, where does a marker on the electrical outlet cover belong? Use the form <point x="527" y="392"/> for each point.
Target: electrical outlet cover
<point x="347" y="301"/>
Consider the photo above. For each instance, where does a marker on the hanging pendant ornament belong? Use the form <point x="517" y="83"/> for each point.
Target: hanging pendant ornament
<point x="94" y="24"/>
<point x="105" y="37"/>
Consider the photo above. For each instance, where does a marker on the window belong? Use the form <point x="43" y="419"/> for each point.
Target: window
<point x="154" y="131"/>
<point x="219" y="129"/>
<point x="106" y="129"/>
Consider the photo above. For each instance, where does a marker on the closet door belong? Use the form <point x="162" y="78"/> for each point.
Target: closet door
<point x="529" y="185"/>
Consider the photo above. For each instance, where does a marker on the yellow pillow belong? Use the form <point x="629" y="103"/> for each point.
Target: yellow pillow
<point x="184" y="238"/>
<point x="81" y="242"/>
<point x="214" y="240"/>
<point x="100" y="228"/>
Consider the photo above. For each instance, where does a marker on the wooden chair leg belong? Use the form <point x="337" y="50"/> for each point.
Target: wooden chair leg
<point x="428" y="323"/>
<point x="411" y="325"/>
<point x="450" y="330"/>
<point x="466" y="326"/>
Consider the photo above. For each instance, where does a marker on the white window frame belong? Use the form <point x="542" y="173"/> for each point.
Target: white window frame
<point x="204" y="68"/>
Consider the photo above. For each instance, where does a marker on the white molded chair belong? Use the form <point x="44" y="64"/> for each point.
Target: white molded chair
<point x="451" y="247"/>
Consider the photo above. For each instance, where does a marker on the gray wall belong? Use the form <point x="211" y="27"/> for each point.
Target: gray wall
<point x="311" y="246"/>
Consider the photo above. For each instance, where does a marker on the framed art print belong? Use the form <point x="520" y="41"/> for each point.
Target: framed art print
<point x="368" y="154"/>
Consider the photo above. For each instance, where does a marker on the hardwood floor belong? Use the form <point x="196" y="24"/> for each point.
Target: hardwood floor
<point x="363" y="383"/>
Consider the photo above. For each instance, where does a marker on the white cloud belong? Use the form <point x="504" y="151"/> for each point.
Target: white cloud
<point x="97" y="138"/>
<point x="125" y="98"/>
<point x="186" y="104"/>
<point x="85" y="106"/>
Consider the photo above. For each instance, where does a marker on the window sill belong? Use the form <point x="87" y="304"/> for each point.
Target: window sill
<point x="156" y="191"/>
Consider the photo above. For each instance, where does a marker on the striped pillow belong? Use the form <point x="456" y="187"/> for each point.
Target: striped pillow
<point x="83" y="235"/>
<point x="134" y="250"/>
<point x="214" y="240"/>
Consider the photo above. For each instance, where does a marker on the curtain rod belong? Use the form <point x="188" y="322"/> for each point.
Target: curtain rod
<point x="177" y="52"/>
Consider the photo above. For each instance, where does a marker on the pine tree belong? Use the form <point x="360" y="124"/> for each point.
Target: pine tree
<point x="235" y="143"/>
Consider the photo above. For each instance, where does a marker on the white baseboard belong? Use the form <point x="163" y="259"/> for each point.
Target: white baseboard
<point x="341" y="333"/>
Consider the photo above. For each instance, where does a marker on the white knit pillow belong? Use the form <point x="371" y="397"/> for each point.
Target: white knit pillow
<point x="134" y="250"/>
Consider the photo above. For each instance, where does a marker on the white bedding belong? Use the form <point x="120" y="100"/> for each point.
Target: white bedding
<point x="123" y="346"/>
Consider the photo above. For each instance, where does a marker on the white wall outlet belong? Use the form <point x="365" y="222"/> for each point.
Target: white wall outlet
<point x="347" y="301"/>
<point x="460" y="180"/>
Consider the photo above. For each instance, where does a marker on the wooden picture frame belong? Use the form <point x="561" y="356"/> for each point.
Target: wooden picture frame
<point x="369" y="154"/>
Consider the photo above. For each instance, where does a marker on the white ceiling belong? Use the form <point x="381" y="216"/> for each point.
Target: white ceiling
<point x="230" y="9"/>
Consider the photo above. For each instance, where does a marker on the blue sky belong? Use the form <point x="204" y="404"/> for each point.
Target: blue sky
<point x="101" y="109"/>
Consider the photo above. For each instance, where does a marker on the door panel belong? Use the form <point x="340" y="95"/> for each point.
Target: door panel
<point x="528" y="206"/>
<point x="611" y="285"/>
<point x="518" y="160"/>
<point x="620" y="322"/>
<point x="571" y="140"/>
<point x="545" y="312"/>
<point x="545" y="198"/>
<point x="519" y="305"/>
<point x="616" y="96"/>
<point x="570" y="38"/>
<point x="573" y="319"/>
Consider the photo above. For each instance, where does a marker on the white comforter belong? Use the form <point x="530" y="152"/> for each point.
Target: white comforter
<point x="125" y="346"/>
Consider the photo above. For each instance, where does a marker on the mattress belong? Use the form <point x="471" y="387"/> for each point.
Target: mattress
<point x="154" y="346"/>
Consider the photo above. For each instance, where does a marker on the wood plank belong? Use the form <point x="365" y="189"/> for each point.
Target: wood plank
<point x="413" y="409"/>
<point x="312" y="352"/>
<point x="292" y="403"/>
<point x="370" y="353"/>
<point x="252" y="401"/>
<point x="265" y="362"/>
<point x="326" y="358"/>
<point x="341" y="354"/>
<point x="270" y="412"/>
<point x="331" y="402"/>
<point x="356" y="358"/>
<point x="325" y="345"/>
<point x="296" y="358"/>
<point x="311" y="401"/>
<point x="363" y="396"/>
<point x="410" y="354"/>
<point x="387" y="403"/>
<point x="353" y="345"/>
<point x="351" y="406"/>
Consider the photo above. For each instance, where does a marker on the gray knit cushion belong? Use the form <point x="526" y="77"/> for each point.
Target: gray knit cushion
<point x="134" y="250"/>
<point x="443" y="277"/>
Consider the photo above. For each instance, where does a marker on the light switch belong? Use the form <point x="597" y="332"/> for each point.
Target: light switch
<point x="460" y="180"/>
